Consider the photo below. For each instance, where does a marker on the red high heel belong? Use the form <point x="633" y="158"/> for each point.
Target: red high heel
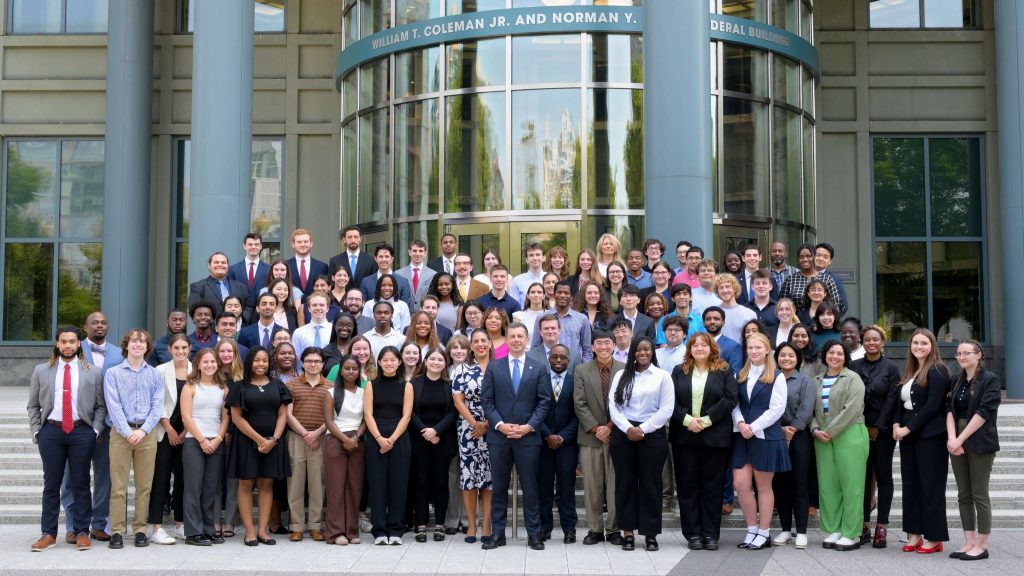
<point x="933" y="550"/>
<point x="912" y="547"/>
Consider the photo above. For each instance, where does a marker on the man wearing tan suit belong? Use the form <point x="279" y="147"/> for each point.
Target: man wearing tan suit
<point x="469" y="288"/>
<point x="590" y="398"/>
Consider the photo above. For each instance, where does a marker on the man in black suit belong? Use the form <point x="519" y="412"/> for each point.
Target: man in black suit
<point x="217" y="286"/>
<point x="261" y="332"/>
<point x="516" y="394"/>
<point x="385" y="257"/>
<point x="643" y="325"/>
<point x="252" y="272"/>
<point x="358" y="263"/>
<point x="304" y="268"/>
<point x="446" y="261"/>
<point x="559" y="454"/>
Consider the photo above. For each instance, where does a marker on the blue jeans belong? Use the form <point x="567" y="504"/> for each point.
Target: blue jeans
<point x="100" y="488"/>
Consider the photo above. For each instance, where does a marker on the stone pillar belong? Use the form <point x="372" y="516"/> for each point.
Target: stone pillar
<point x="126" y="164"/>
<point x="1009" y="18"/>
<point x="221" y="196"/>
<point x="677" y="122"/>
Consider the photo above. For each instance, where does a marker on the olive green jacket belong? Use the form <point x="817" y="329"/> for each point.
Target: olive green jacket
<point x="845" y="404"/>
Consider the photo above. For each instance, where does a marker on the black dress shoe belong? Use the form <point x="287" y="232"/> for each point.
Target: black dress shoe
<point x="760" y="543"/>
<point x="967" y="557"/>
<point x="451" y="531"/>
<point x="569" y="538"/>
<point x="695" y="543"/>
<point x="266" y="541"/>
<point x="199" y="540"/>
<point x="629" y="543"/>
<point x="710" y="543"/>
<point x="614" y="538"/>
<point x="651" y="544"/>
<point x="593" y="538"/>
<point x="116" y="542"/>
<point x="215" y="538"/>
<point x="536" y="543"/>
<point x="140" y="540"/>
<point x="545" y="535"/>
<point x="493" y="542"/>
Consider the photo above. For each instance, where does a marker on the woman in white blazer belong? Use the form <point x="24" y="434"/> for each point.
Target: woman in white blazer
<point x="170" y="435"/>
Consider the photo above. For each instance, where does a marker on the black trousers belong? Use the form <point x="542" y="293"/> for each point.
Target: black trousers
<point x="792" y="496"/>
<point x="558" y="486"/>
<point x="879" y="465"/>
<point x="924" y="464"/>
<point x="526" y="459"/>
<point x="57" y="450"/>
<point x="430" y="470"/>
<point x="168" y="462"/>
<point x="638" y="467"/>
<point x="699" y="469"/>
<point x="389" y="482"/>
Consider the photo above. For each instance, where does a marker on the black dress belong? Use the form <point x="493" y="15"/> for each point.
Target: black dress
<point x="259" y="408"/>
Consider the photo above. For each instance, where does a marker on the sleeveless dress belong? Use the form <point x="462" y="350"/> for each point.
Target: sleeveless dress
<point x="474" y="459"/>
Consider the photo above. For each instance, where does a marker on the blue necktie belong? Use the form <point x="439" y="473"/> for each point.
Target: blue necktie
<point x="316" y="336"/>
<point x="266" y="338"/>
<point x="352" y="264"/>
<point x="223" y="289"/>
<point x="516" y="376"/>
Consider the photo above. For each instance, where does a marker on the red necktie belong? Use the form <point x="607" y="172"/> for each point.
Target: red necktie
<point x="252" y="274"/>
<point x="415" y="280"/>
<point x="302" y="273"/>
<point x="66" y="423"/>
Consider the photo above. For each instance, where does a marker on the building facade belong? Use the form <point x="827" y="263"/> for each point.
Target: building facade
<point x="874" y="125"/>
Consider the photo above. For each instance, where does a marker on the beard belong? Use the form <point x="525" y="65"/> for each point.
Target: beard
<point x="778" y="261"/>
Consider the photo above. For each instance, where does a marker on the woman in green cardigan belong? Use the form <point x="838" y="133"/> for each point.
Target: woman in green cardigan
<point x="841" y="448"/>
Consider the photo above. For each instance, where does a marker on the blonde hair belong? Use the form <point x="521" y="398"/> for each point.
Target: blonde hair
<point x="196" y="374"/>
<point x="237" y="370"/>
<point x="768" y="376"/>
<point x="729" y="279"/>
<point x="615" y="242"/>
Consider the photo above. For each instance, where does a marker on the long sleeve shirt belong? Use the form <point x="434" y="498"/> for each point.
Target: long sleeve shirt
<point x="776" y="404"/>
<point x="574" y="335"/>
<point x="133" y="396"/>
<point x="651" y="402"/>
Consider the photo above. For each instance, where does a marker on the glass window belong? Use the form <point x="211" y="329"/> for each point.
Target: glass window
<point x="745" y="70"/>
<point x="417" y="180"/>
<point x="467" y="6"/>
<point x="751" y="9"/>
<point x="956" y="290"/>
<point x="373" y="83"/>
<point x="950" y="13"/>
<point x="349" y="182"/>
<point x="547" y="58"/>
<point x="58" y="16"/>
<point x="349" y="22"/>
<point x="405" y="233"/>
<point x="786" y="14"/>
<point x="787" y="82"/>
<point x="476" y="161"/>
<point x="375" y="16"/>
<point x="54" y="225"/>
<point x="899" y="187"/>
<point x="954" y="170"/>
<point x="349" y="93"/>
<point x="615" y="148"/>
<point x="744" y="153"/>
<point x="476" y="64"/>
<point x="808" y="103"/>
<point x="267" y="187"/>
<point x="615" y="58"/>
<point x="806" y="23"/>
<point x="269" y="16"/>
<point x="895" y="14"/>
<point x="628" y="229"/>
<point x="936" y="14"/>
<point x="546" y="152"/>
<point x="787" y="136"/>
<point x="416" y="72"/>
<point x="409" y="11"/>
<point x="375" y="159"/>
<point x="901" y="287"/>
<point x="809" y="175"/>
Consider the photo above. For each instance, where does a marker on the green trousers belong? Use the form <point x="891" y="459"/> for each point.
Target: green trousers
<point x="972" y="472"/>
<point x="841" y="465"/>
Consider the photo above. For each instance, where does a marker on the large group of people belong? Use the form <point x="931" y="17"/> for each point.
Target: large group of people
<point x="364" y="399"/>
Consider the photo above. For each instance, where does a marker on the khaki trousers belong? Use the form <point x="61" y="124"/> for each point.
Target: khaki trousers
<point x="598" y="488"/>
<point x="307" y="468"/>
<point x="123" y="458"/>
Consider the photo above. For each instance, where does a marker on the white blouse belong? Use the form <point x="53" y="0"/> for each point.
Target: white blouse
<point x="776" y="404"/>
<point x="651" y="402"/>
<point x="351" y="414"/>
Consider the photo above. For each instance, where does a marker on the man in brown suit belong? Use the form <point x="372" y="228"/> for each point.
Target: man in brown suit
<point x="469" y="288"/>
<point x="590" y="397"/>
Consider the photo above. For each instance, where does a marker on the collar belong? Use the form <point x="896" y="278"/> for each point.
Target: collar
<point x="351" y="254"/>
<point x="61" y="363"/>
<point x="607" y="366"/>
<point x="248" y="262"/>
<point x="521" y="358"/>
<point x="636" y="314"/>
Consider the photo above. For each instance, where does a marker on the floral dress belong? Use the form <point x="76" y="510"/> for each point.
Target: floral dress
<point x="474" y="460"/>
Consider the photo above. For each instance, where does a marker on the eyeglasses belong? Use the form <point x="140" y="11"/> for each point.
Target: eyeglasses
<point x="309" y="361"/>
<point x="964" y="354"/>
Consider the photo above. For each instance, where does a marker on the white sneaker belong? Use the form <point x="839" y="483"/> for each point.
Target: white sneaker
<point x="341" y="541"/>
<point x="844" y="544"/>
<point x="365" y="525"/>
<point x="831" y="539"/>
<point x="395" y="541"/>
<point x="380" y="541"/>
<point x="801" y="541"/>
<point x="178" y="533"/>
<point x="161" y="537"/>
<point x="782" y="538"/>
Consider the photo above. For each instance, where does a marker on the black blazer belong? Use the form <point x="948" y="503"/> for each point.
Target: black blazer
<point x="642" y="326"/>
<point x="721" y="393"/>
<point x="208" y="290"/>
<point x="437" y="264"/>
<point x="561" y="419"/>
<point x="365" y="266"/>
<point x="927" y="418"/>
<point x="983" y="401"/>
<point x="881" y="390"/>
<point x="446" y="427"/>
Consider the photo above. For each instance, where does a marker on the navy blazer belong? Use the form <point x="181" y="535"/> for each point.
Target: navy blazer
<point x="365" y="266"/>
<point x="561" y="419"/>
<point x="743" y="298"/>
<point x="316" y="268"/>
<point x="540" y="354"/>
<point x="208" y="290"/>
<point x="729" y="350"/>
<point x="502" y="404"/>
<point x="239" y="271"/>
<point x="642" y="326"/>
<point x="369" y="287"/>
<point x="250" y="336"/>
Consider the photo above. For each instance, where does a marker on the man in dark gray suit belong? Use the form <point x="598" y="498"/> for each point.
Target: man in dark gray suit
<point x="65" y="412"/>
<point x="217" y="286"/>
<point x="515" y="394"/>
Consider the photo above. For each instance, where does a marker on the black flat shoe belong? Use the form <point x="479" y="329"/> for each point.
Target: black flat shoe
<point x="695" y="543"/>
<point x="198" y="541"/>
<point x="955" y="555"/>
<point x="710" y="543"/>
<point x="251" y="542"/>
<point x="651" y="544"/>
<point x="967" y="557"/>
<point x="760" y="543"/>
<point x="613" y="538"/>
<point x="439" y="534"/>
<point x="628" y="543"/>
<point x="266" y="541"/>
<point x="545" y="536"/>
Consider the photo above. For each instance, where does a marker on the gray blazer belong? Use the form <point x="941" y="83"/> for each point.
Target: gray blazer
<point x="91" y="408"/>
<point x="590" y="402"/>
<point x="540" y="354"/>
<point x="426" y="275"/>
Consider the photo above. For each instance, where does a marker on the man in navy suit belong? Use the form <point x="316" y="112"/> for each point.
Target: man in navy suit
<point x="304" y="268"/>
<point x="358" y="263"/>
<point x="559" y="454"/>
<point x="751" y="264"/>
<point x="643" y="325"/>
<point x="385" y="257"/>
<point x="515" y="395"/>
<point x="728" y="349"/>
<point x="217" y="286"/>
<point x="252" y="272"/>
<point x="103" y="355"/>
<point x="261" y="332"/>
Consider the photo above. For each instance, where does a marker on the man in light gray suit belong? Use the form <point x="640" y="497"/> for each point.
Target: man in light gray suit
<point x="65" y="413"/>
<point x="417" y="273"/>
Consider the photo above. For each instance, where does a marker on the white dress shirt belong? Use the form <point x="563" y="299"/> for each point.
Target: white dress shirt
<point x="651" y="403"/>
<point x="669" y="358"/>
<point x="776" y="404"/>
<point x="400" y="317"/>
<point x="702" y="299"/>
<point x="305" y="336"/>
<point x="58" y="391"/>
<point x="378" y="342"/>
